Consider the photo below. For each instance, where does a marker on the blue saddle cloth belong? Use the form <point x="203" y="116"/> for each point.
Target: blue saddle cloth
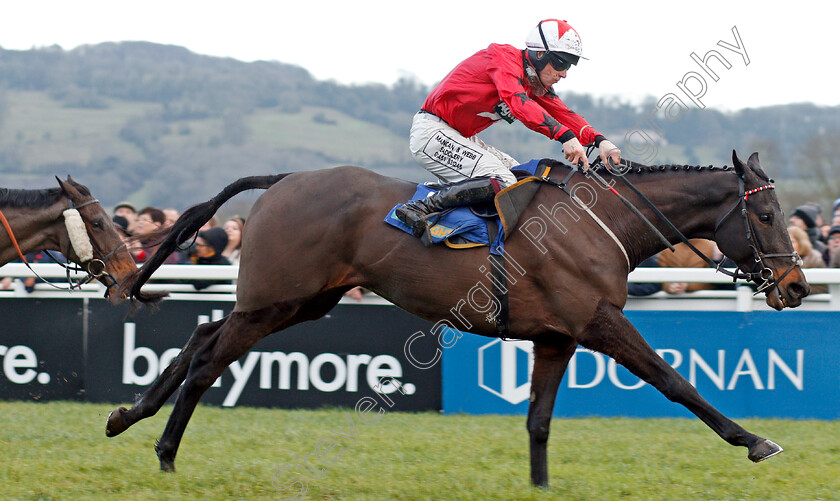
<point x="460" y="222"/>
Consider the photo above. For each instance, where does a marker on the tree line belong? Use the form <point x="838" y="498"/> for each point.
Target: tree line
<point x="186" y="89"/>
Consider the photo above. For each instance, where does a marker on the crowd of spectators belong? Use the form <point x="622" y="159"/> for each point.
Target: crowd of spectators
<point x="814" y="238"/>
<point x="822" y="233"/>
<point x="140" y="229"/>
<point x="212" y="245"/>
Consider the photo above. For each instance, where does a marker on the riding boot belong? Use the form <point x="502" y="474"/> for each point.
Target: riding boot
<point x="416" y="213"/>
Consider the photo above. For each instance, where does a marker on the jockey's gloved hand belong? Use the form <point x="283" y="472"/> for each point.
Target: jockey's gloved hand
<point x="574" y="153"/>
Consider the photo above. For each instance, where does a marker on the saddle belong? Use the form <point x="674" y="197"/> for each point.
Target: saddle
<point x="482" y="224"/>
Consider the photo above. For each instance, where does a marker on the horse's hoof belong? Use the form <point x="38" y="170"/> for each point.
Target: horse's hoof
<point x="763" y="450"/>
<point x="541" y="485"/>
<point x="116" y="422"/>
<point x="167" y="460"/>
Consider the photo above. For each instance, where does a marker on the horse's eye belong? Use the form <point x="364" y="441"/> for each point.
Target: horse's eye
<point x="765" y="218"/>
<point x="97" y="224"/>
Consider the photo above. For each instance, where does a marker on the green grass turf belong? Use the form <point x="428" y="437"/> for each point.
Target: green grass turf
<point x="59" y="451"/>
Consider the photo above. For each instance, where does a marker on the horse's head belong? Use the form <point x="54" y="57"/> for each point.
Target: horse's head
<point x="92" y="242"/>
<point x="753" y="233"/>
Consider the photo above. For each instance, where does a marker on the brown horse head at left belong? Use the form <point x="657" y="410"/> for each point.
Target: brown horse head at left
<point x="69" y="220"/>
<point x="753" y="234"/>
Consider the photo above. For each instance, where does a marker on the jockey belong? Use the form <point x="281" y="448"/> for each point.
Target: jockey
<point x="500" y="82"/>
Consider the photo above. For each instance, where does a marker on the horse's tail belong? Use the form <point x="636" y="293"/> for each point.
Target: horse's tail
<point x="185" y="229"/>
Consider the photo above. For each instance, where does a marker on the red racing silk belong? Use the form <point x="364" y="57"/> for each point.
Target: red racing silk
<point x="490" y="86"/>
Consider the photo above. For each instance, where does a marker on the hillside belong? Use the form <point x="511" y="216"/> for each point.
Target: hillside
<point x="160" y="125"/>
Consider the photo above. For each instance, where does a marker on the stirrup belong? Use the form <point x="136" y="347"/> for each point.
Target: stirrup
<point x="420" y="227"/>
<point x="426" y="237"/>
<point x="424" y="232"/>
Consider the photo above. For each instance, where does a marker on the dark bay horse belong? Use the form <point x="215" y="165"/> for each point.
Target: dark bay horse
<point x="69" y="220"/>
<point x="313" y="235"/>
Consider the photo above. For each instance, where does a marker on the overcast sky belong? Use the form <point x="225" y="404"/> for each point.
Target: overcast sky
<point x="635" y="48"/>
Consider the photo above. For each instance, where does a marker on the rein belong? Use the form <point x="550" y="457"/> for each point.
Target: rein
<point x="92" y="273"/>
<point x="764" y="279"/>
<point x="563" y="185"/>
<point x="12" y="236"/>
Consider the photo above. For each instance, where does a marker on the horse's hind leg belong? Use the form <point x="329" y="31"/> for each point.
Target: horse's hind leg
<point x="610" y="332"/>
<point x="550" y="361"/>
<point x="164" y="385"/>
<point x="233" y="339"/>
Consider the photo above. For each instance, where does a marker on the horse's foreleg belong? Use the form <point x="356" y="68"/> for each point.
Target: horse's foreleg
<point x="550" y="360"/>
<point x="233" y="339"/>
<point x="163" y="387"/>
<point x="610" y="332"/>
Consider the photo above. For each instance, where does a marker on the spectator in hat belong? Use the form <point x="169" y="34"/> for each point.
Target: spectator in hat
<point x="806" y="218"/>
<point x="129" y="212"/>
<point x="833" y="251"/>
<point x="121" y="225"/>
<point x="822" y="226"/>
<point x="208" y="248"/>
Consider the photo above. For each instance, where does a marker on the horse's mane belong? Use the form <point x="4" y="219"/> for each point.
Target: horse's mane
<point x="630" y="167"/>
<point x="35" y="199"/>
<point x="638" y="168"/>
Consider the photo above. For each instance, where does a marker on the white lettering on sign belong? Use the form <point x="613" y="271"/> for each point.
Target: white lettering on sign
<point x="589" y="369"/>
<point x="745" y="370"/>
<point x="19" y="363"/>
<point x="326" y="372"/>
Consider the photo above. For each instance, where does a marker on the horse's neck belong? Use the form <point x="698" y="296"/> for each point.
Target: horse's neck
<point x="34" y="229"/>
<point x="692" y="202"/>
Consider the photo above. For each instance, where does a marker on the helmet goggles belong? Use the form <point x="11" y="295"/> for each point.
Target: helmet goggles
<point x="558" y="61"/>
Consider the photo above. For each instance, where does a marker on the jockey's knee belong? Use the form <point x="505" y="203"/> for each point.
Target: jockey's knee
<point x="505" y="178"/>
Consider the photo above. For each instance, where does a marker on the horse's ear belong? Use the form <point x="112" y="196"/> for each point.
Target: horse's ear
<point x="71" y="180"/>
<point x="738" y="164"/>
<point x="67" y="186"/>
<point x="753" y="161"/>
<point x="755" y="166"/>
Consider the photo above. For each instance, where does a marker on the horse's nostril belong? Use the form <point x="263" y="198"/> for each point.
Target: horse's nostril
<point x="798" y="290"/>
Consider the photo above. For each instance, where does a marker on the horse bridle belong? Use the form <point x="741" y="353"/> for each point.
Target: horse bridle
<point x="764" y="279"/>
<point x="96" y="269"/>
<point x="766" y="273"/>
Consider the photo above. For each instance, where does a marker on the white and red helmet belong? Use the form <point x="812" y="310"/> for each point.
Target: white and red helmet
<point x="559" y="41"/>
